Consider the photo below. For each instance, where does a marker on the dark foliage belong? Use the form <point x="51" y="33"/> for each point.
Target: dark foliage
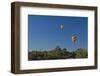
<point x="57" y="53"/>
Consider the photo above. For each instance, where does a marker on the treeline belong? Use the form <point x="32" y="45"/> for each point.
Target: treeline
<point x="57" y="53"/>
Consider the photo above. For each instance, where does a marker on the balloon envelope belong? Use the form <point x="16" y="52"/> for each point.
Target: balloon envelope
<point x="61" y="27"/>
<point x="74" y="39"/>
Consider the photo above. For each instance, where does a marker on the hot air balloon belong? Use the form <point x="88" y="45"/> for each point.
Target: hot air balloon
<point x="61" y="26"/>
<point x="74" y="39"/>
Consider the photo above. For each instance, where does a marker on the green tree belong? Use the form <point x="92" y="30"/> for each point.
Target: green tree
<point x="81" y="53"/>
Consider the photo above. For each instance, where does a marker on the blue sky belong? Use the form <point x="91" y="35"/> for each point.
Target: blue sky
<point x="44" y="32"/>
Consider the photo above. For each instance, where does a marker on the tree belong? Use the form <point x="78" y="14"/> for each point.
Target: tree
<point x="81" y="53"/>
<point x="58" y="48"/>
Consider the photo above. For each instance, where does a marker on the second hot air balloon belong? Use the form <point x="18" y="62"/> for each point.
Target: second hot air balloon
<point x="74" y="39"/>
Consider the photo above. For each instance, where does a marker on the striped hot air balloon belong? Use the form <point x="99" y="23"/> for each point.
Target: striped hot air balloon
<point x="74" y="39"/>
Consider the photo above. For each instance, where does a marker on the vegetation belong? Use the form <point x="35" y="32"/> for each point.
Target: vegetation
<point x="57" y="53"/>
